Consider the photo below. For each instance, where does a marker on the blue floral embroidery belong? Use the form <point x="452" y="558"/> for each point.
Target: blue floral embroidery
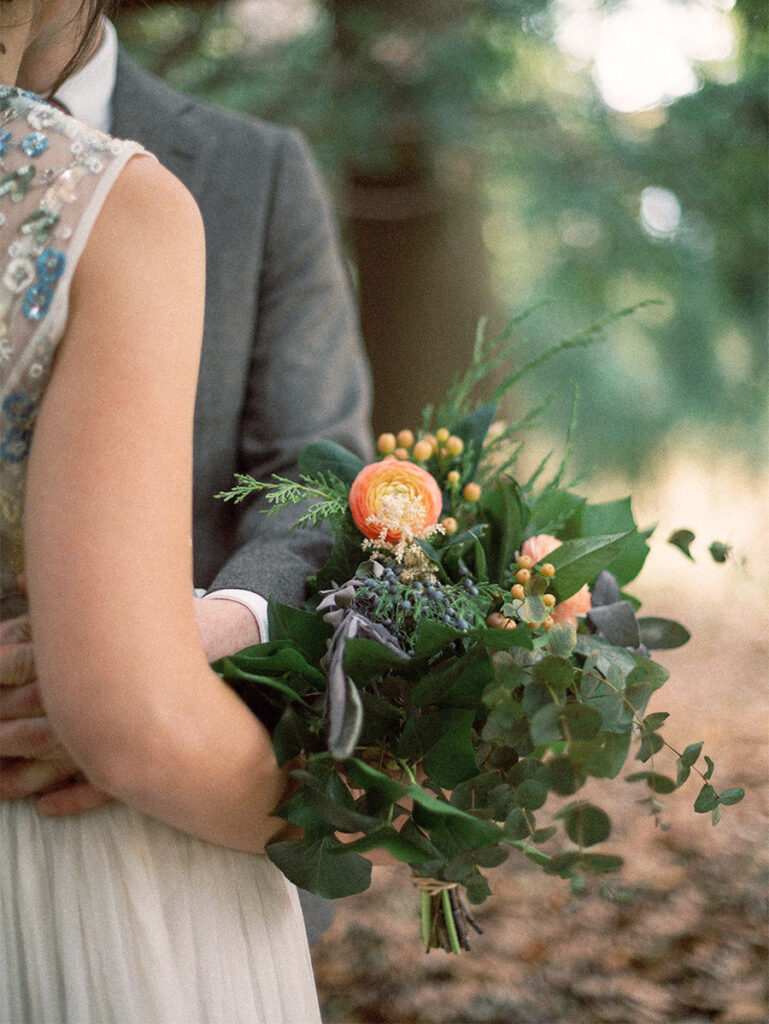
<point x="5" y="138"/>
<point x="50" y="265"/>
<point x="34" y="144"/>
<point x="37" y="301"/>
<point x="18" y="407"/>
<point x="16" y="444"/>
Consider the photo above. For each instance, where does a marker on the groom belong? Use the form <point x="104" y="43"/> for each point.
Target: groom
<point x="282" y="363"/>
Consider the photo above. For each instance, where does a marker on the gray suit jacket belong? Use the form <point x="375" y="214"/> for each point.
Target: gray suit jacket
<point x="282" y="361"/>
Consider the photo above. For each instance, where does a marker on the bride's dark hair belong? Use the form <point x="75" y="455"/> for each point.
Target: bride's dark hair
<point x="91" y="12"/>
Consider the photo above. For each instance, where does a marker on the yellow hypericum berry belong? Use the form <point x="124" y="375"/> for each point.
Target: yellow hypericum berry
<point x="442" y="435"/>
<point x="405" y="439"/>
<point x="471" y="492"/>
<point x="523" y="575"/>
<point x="499" y="621"/>
<point x="422" y="450"/>
<point x="449" y="525"/>
<point x="549" y="600"/>
<point x="455" y="445"/>
<point x="517" y="591"/>
<point x="401" y="453"/>
<point x="547" y="570"/>
<point x="548" y="623"/>
<point x="524" y="562"/>
<point x="430" y="438"/>
<point x="452" y="477"/>
<point x="386" y="444"/>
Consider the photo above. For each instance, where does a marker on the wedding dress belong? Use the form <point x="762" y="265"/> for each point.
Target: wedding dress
<point x="108" y="917"/>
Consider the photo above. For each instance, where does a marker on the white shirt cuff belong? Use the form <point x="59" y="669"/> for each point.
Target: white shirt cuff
<point x="255" y="603"/>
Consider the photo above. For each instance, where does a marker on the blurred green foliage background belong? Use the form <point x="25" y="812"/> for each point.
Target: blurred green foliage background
<point x="489" y="155"/>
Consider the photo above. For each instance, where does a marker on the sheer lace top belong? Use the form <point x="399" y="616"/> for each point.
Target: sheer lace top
<point x="55" y="174"/>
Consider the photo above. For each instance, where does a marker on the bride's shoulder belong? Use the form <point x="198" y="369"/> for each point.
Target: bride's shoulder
<point x="149" y="196"/>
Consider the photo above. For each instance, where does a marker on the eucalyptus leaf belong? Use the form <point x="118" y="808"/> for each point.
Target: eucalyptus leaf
<point x="662" y="634"/>
<point x="707" y="799"/>
<point x="585" y="823"/>
<point x="732" y="796"/>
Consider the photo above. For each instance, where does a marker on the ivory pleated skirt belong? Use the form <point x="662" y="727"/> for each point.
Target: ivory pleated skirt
<point x="109" y="917"/>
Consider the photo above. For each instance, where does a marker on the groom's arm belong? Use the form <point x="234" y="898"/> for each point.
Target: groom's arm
<point x="309" y="378"/>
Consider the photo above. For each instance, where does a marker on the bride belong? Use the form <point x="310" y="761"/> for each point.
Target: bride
<point x="160" y="906"/>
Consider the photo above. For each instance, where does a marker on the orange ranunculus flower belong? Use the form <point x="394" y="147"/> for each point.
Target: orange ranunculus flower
<point x="394" y="498"/>
<point x="539" y="547"/>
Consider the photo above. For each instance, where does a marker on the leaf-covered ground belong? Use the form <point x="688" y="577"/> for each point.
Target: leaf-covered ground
<point x="683" y="936"/>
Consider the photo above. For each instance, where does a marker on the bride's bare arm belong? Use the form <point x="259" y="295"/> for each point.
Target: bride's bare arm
<point x="122" y="672"/>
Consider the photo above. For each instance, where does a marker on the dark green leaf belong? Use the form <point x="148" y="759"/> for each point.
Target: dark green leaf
<point x="322" y="866"/>
<point x="364" y="659"/>
<point x="472" y="832"/>
<point x="555" y="508"/>
<point x="691" y="753"/>
<point x="545" y="726"/>
<point x="711" y="768"/>
<point x="503" y="510"/>
<point x="601" y="863"/>
<point x="442" y="742"/>
<point x="531" y="794"/>
<point x="682" y="539"/>
<point x="719" y="551"/>
<point x="707" y="799"/>
<point x="460" y="684"/>
<point x="662" y="634"/>
<point x="579" y="561"/>
<point x="492" y="856"/>
<point x="582" y="722"/>
<point x="518" y="824"/>
<point x="328" y="800"/>
<point x="387" y="838"/>
<point x="655" y="720"/>
<point x="585" y="824"/>
<point x="657" y="783"/>
<point x="363" y="776"/>
<point x="431" y="637"/>
<point x="732" y="796"/>
<point x="617" y="517"/>
<point x="304" y="630"/>
<point x="288" y="736"/>
<point x="651" y="742"/>
<point x="564" y="776"/>
<point x="329" y="457"/>
<point x="477" y="889"/>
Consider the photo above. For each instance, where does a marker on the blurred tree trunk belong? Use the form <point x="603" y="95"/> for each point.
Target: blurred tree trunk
<point x="423" y="281"/>
<point x="413" y="219"/>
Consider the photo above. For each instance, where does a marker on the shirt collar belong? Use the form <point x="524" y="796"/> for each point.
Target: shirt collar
<point x="87" y="94"/>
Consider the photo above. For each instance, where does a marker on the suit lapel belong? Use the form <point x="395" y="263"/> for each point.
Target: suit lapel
<point x="163" y="121"/>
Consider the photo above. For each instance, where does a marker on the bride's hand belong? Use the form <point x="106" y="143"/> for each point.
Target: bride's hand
<point x="33" y="761"/>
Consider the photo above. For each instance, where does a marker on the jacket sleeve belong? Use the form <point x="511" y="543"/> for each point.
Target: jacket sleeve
<point x="309" y="378"/>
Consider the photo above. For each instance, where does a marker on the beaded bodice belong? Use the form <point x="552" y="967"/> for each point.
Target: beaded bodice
<point x="55" y="174"/>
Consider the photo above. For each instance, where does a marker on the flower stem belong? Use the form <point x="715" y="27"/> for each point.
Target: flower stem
<point x="425" y="919"/>
<point x="448" y="916"/>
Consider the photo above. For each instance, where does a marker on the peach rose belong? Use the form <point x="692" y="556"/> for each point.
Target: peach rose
<point x="396" y="498"/>
<point x="538" y="548"/>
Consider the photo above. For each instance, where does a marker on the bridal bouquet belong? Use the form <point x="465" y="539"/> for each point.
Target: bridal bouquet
<point x="469" y="649"/>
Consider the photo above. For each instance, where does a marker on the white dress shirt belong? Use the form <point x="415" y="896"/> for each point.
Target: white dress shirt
<point x="87" y="94"/>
